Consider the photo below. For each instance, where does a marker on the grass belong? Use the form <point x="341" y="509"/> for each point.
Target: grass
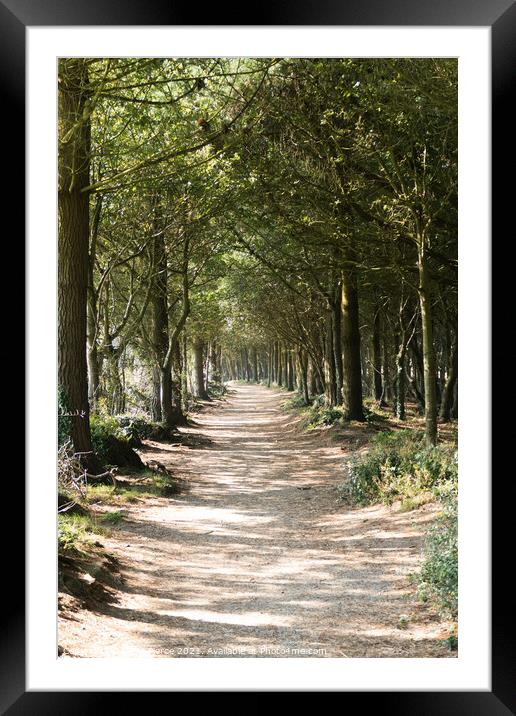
<point x="79" y="532"/>
<point x="150" y="484"/>
<point x="112" y="518"/>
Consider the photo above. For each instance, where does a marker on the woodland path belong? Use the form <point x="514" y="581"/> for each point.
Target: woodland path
<point x="248" y="562"/>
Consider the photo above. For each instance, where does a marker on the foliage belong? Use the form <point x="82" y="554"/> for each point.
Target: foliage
<point x="135" y="429"/>
<point x="77" y="532"/>
<point x="112" y="518"/>
<point x="111" y="443"/>
<point x="63" y="420"/>
<point x="438" y="579"/>
<point x="399" y="466"/>
<point x="103" y="430"/>
<point x="322" y="416"/>
<point x="217" y="388"/>
<point x="295" y="402"/>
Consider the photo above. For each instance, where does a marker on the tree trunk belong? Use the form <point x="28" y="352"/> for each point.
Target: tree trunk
<point x="329" y="372"/>
<point x="400" y="383"/>
<point x="93" y="373"/>
<point x="351" y="341"/>
<point x="336" y="313"/>
<point x="160" y="341"/>
<point x="177" y="384"/>
<point x="198" y="351"/>
<point x="313" y="383"/>
<point x="386" y="374"/>
<point x="255" y="365"/>
<point x="91" y="311"/>
<point x="184" y="374"/>
<point x="303" y="366"/>
<point x="377" y="358"/>
<point x="416" y="391"/>
<point x="449" y="389"/>
<point x="290" y="367"/>
<point x="156" y="414"/>
<point x="455" y="405"/>
<point x="417" y="383"/>
<point x="280" y="364"/>
<point x="167" y="409"/>
<point x="429" y="364"/>
<point x="73" y="246"/>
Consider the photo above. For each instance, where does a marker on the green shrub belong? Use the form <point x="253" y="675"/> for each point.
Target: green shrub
<point x="76" y="531"/>
<point x="399" y="466"/>
<point x="135" y="429"/>
<point x="321" y="415"/>
<point x="297" y="401"/>
<point x="103" y="430"/>
<point x="111" y="443"/>
<point x="217" y="388"/>
<point x="112" y="518"/>
<point x="438" y="579"/>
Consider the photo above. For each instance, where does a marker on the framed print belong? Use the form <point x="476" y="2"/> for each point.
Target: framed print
<point x="253" y="252"/>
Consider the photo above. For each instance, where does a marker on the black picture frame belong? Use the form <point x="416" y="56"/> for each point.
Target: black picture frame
<point x="500" y="15"/>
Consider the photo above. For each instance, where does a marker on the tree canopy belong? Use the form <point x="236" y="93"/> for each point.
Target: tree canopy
<point x="292" y="221"/>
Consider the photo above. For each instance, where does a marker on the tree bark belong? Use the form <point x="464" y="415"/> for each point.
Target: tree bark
<point x="280" y="364"/>
<point x="417" y="382"/>
<point x="255" y="365"/>
<point x="351" y="340"/>
<point x="73" y="248"/>
<point x="400" y="383"/>
<point x="290" y="370"/>
<point x="198" y="356"/>
<point x="159" y="310"/>
<point x="156" y="414"/>
<point x="303" y="365"/>
<point x="336" y="313"/>
<point x="329" y="372"/>
<point x="167" y="408"/>
<point x="377" y="357"/>
<point x="429" y="363"/>
<point x="449" y="389"/>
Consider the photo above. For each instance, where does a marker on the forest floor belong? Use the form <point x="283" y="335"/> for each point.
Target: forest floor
<point x="259" y="557"/>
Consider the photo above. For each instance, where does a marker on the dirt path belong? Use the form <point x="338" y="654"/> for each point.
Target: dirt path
<point x="249" y="563"/>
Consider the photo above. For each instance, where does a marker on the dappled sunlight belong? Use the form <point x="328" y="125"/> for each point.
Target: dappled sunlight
<point x="245" y="618"/>
<point x="260" y="551"/>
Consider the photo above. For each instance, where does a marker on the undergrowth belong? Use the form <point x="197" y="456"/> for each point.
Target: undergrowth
<point x="399" y="466"/>
<point x="438" y="578"/>
<point x="81" y="532"/>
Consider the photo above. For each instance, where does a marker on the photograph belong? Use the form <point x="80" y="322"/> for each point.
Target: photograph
<point x="257" y="357"/>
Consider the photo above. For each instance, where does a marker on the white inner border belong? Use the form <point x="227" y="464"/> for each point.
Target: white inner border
<point x="471" y="670"/>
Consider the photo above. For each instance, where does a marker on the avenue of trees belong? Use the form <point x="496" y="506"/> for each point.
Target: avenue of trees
<point x="291" y="221"/>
